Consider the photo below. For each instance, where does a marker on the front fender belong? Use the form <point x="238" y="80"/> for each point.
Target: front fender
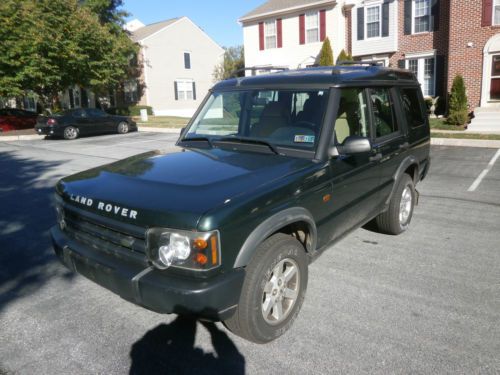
<point x="270" y="226"/>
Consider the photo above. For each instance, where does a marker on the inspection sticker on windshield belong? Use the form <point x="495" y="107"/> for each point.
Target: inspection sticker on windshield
<point x="304" y="139"/>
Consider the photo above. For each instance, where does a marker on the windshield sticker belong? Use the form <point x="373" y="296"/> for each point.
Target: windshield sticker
<point x="304" y="139"/>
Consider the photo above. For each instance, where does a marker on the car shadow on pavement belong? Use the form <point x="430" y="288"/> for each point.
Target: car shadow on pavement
<point x="27" y="261"/>
<point x="169" y="349"/>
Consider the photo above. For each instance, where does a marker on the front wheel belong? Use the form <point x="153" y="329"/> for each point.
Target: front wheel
<point x="398" y="216"/>
<point x="123" y="127"/>
<point x="273" y="290"/>
<point x="70" y="132"/>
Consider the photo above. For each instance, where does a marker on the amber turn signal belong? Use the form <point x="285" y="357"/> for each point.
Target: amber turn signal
<point x="201" y="258"/>
<point x="200" y="243"/>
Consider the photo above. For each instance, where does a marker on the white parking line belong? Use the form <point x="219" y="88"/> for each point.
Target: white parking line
<point x="483" y="174"/>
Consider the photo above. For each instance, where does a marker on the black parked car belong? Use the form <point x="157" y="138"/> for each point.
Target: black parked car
<point x="83" y="121"/>
<point x="271" y="171"/>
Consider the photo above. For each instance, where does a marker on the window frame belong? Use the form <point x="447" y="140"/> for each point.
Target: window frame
<point x="414" y="16"/>
<point x="307" y="16"/>
<point x="421" y="72"/>
<point x="185" y="97"/>
<point x="495" y="4"/>
<point x="131" y="91"/>
<point x="379" y="6"/>
<point x="269" y="35"/>
<point x="395" y="110"/>
<point x="423" y="110"/>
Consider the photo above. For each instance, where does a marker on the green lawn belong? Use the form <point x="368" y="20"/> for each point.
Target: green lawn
<point x="163" y="121"/>
<point x="493" y="137"/>
<point x="440" y="124"/>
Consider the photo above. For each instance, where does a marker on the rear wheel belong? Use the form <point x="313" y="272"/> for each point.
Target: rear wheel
<point x="398" y="216"/>
<point x="70" y="132"/>
<point x="123" y="127"/>
<point x="273" y="290"/>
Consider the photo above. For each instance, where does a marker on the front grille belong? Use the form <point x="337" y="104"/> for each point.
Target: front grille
<point x="103" y="237"/>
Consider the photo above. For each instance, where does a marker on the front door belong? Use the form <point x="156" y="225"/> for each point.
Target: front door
<point x="495" y="78"/>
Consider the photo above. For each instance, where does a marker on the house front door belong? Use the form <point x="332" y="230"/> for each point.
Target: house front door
<point x="495" y="78"/>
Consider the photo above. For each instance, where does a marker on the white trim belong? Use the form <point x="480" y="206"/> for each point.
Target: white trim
<point x="145" y="70"/>
<point x="495" y="3"/>
<point x="312" y="13"/>
<point x="286" y="10"/>
<point x="413" y="16"/>
<point x="379" y="6"/>
<point x="421" y="57"/>
<point x="488" y="52"/>
<point x="275" y="35"/>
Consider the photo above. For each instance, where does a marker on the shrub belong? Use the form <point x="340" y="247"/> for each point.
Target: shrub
<point x="326" y="54"/>
<point x="458" y="113"/>
<point x="343" y="56"/>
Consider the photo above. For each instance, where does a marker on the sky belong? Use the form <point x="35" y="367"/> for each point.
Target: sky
<point x="218" y="18"/>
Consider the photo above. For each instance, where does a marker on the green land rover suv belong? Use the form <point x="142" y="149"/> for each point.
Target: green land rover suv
<point x="271" y="171"/>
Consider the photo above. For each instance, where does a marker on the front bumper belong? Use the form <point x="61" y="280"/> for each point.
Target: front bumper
<point x="45" y="130"/>
<point x="213" y="298"/>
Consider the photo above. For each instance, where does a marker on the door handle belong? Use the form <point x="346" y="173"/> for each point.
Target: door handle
<point x="376" y="157"/>
<point x="404" y="146"/>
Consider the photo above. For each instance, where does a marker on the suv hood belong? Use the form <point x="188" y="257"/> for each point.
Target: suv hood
<point x="173" y="190"/>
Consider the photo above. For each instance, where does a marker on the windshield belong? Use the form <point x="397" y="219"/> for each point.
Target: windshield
<point x="280" y="118"/>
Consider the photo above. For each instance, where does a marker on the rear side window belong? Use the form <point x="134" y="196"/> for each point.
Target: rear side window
<point x="352" y="116"/>
<point x="383" y="112"/>
<point x="412" y="108"/>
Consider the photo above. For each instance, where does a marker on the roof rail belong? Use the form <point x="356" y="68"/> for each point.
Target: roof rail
<point x="253" y="69"/>
<point x="369" y="63"/>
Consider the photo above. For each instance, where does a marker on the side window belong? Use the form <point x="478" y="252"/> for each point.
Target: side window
<point x="412" y="108"/>
<point x="352" y="116"/>
<point x="383" y="112"/>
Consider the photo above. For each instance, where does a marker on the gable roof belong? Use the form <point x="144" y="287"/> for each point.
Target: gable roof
<point x="281" y="6"/>
<point x="144" y="32"/>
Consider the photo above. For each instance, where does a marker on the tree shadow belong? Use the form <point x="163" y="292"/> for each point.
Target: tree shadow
<point x="27" y="260"/>
<point x="169" y="349"/>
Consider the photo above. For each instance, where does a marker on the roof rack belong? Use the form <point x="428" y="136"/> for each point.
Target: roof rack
<point x="253" y="69"/>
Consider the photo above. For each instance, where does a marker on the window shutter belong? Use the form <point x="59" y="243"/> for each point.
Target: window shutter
<point x="322" y="25"/>
<point x="361" y="23"/>
<point x="261" y="36"/>
<point x="487" y="12"/>
<point x="408" y="17"/>
<point x="401" y="64"/>
<point x="194" y="90"/>
<point x="435" y="15"/>
<point x="279" y="32"/>
<point x="176" y="93"/>
<point x="385" y="19"/>
<point x="440" y="74"/>
<point x="302" y="29"/>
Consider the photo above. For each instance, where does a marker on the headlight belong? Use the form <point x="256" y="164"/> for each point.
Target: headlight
<point x="183" y="249"/>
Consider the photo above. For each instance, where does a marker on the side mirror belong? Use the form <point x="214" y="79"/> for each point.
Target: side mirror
<point x="352" y="145"/>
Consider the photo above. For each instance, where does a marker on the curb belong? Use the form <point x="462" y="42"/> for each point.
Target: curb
<point x="465" y="142"/>
<point x="10" y="138"/>
<point x="159" y="130"/>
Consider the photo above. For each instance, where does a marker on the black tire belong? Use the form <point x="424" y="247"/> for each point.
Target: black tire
<point x="70" y="132"/>
<point x="249" y="321"/>
<point x="123" y="128"/>
<point x="397" y="219"/>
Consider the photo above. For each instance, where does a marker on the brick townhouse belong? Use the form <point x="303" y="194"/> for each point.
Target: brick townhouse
<point x="436" y="39"/>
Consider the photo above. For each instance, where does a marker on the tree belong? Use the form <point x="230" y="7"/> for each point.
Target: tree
<point x="343" y="56"/>
<point x="234" y="59"/>
<point x="49" y="45"/>
<point x="458" y="114"/>
<point x="326" y="54"/>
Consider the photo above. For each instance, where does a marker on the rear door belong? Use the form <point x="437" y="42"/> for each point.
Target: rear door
<point x="390" y="144"/>
<point x="355" y="178"/>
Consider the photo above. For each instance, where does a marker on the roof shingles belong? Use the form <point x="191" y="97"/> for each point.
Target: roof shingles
<point x="272" y="6"/>
<point x="148" y="30"/>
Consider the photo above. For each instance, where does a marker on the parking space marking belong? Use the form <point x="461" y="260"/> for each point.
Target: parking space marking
<point x="483" y="174"/>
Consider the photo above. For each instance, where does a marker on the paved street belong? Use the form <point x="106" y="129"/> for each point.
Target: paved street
<point x="427" y="301"/>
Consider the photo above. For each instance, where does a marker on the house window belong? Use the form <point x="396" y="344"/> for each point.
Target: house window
<point x="270" y="34"/>
<point x="424" y="69"/>
<point x="185" y="90"/>
<point x="77" y="102"/>
<point x="312" y="27"/>
<point x="130" y="90"/>
<point x="496" y="12"/>
<point x="187" y="60"/>
<point x="422" y="18"/>
<point x="373" y="22"/>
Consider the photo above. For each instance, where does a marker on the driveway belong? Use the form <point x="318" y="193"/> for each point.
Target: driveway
<point x="427" y="301"/>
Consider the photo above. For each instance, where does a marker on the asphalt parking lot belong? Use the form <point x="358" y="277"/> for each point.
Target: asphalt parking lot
<point x="427" y="301"/>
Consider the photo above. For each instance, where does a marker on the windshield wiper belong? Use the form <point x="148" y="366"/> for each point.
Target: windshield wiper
<point x="249" y="140"/>
<point x="197" y="139"/>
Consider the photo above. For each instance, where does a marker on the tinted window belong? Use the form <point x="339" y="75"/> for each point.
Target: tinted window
<point x="412" y="107"/>
<point x="383" y="112"/>
<point x="95" y="112"/>
<point x="352" y="118"/>
<point x="79" y="113"/>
